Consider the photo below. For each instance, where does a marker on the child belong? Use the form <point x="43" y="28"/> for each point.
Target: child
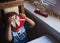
<point x="17" y="35"/>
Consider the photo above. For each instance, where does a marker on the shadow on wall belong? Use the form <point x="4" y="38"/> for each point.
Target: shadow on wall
<point x="36" y="31"/>
<point x="40" y="29"/>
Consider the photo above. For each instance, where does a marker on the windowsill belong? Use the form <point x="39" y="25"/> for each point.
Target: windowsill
<point x="43" y="39"/>
<point x="50" y="20"/>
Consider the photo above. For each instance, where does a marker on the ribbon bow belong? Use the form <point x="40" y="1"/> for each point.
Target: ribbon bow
<point x="15" y="21"/>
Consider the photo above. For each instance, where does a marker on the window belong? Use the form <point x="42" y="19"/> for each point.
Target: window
<point x="51" y="6"/>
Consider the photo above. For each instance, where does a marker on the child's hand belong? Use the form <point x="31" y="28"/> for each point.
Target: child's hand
<point x="10" y="20"/>
<point x="23" y="15"/>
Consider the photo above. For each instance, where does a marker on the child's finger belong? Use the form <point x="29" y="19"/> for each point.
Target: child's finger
<point x="10" y="20"/>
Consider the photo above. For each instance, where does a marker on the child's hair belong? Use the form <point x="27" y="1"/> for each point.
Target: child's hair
<point x="7" y="15"/>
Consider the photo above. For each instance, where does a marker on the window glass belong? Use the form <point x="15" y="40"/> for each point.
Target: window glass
<point x="51" y="6"/>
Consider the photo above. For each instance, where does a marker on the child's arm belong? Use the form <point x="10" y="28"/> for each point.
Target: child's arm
<point x="30" y="21"/>
<point x="8" y="32"/>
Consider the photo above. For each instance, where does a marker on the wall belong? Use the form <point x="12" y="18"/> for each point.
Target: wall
<point x="37" y="30"/>
<point x="41" y="29"/>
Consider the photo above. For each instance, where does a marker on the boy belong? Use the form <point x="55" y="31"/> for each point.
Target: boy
<point x="17" y="35"/>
